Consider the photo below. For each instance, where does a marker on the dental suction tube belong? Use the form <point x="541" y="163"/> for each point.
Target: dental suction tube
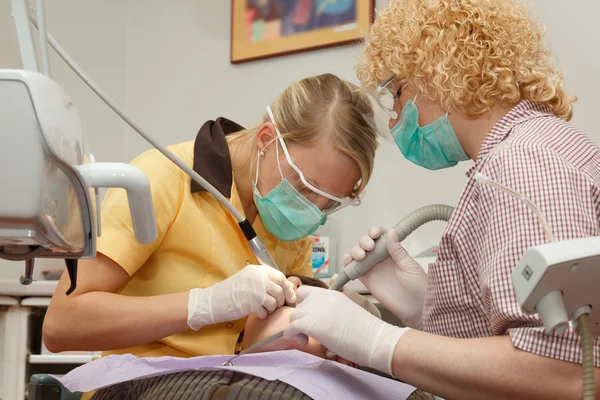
<point x="416" y="219"/>
<point x="257" y="246"/>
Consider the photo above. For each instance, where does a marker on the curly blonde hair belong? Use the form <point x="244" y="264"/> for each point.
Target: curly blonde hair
<point x="467" y="54"/>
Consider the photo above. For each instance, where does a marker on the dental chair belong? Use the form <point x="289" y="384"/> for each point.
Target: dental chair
<point x="45" y="387"/>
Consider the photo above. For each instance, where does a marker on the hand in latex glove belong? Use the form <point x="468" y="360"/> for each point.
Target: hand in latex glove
<point x="358" y="299"/>
<point x="344" y="328"/>
<point x="398" y="282"/>
<point x="256" y="289"/>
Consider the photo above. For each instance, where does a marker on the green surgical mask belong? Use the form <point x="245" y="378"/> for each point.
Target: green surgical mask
<point x="434" y="146"/>
<point x="285" y="212"/>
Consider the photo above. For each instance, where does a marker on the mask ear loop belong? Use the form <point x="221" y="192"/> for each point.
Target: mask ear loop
<point x="277" y="155"/>
<point x="257" y="166"/>
<point x="258" y="156"/>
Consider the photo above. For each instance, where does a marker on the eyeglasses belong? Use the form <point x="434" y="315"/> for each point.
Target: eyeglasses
<point x="385" y="96"/>
<point x="336" y="203"/>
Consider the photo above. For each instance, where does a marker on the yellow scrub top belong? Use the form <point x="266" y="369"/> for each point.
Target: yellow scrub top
<point x="199" y="242"/>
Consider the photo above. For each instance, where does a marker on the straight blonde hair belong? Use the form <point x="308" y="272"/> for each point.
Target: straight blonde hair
<point x="325" y="107"/>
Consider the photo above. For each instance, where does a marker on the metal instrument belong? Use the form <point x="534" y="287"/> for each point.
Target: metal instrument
<point x="262" y="343"/>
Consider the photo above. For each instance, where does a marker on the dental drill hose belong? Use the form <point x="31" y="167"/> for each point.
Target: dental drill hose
<point x="356" y="269"/>
<point x="587" y="354"/>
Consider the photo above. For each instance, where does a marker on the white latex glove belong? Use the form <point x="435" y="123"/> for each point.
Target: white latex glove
<point x="256" y="289"/>
<point x="343" y="327"/>
<point x="398" y="282"/>
<point x="358" y="299"/>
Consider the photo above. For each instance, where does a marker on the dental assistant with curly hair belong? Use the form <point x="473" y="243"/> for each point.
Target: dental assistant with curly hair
<point x="469" y="80"/>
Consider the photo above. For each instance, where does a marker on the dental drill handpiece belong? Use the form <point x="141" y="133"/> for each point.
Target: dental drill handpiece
<point x="257" y="246"/>
<point x="356" y="269"/>
<point x="259" y="249"/>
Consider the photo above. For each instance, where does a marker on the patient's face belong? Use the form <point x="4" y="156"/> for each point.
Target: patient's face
<point x="257" y="330"/>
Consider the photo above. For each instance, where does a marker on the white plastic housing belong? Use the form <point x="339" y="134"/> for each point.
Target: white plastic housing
<point x="45" y="200"/>
<point x="570" y="267"/>
<point x="137" y="186"/>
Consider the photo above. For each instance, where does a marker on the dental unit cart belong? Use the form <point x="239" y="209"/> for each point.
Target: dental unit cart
<point x="22" y="354"/>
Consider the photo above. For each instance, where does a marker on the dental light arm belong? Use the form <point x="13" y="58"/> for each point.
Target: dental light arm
<point x="135" y="182"/>
<point x="558" y="280"/>
<point x="113" y="106"/>
<point x="20" y="14"/>
<point x="255" y="243"/>
<point x="47" y="209"/>
<point x="42" y="40"/>
<point x="408" y="225"/>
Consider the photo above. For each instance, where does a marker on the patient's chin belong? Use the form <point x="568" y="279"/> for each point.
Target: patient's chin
<point x="346" y="362"/>
<point x="313" y="347"/>
<point x="257" y="330"/>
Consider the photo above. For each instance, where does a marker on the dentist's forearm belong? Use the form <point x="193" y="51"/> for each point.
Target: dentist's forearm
<point x="97" y="321"/>
<point x="490" y="368"/>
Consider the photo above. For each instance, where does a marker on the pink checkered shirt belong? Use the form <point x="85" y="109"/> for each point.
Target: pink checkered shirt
<point x="470" y="293"/>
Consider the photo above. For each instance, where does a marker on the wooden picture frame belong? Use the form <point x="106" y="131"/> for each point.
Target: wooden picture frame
<point x="268" y="28"/>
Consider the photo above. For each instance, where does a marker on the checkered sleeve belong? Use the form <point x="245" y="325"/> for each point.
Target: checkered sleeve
<point x="567" y="195"/>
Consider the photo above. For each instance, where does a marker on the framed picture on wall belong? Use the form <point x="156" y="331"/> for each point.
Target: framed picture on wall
<point x="268" y="28"/>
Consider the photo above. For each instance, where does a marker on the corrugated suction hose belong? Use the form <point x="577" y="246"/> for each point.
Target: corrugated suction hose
<point x="587" y="353"/>
<point x="416" y="219"/>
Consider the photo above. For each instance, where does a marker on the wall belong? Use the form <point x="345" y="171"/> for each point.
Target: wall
<point x="572" y="30"/>
<point x="168" y="62"/>
<point x="179" y="75"/>
<point x="93" y="33"/>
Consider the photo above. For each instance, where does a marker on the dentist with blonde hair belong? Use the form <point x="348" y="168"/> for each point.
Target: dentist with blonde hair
<point x="189" y="292"/>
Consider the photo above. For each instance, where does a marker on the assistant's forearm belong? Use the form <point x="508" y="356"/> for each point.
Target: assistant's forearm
<point x="105" y="321"/>
<point x="490" y="368"/>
